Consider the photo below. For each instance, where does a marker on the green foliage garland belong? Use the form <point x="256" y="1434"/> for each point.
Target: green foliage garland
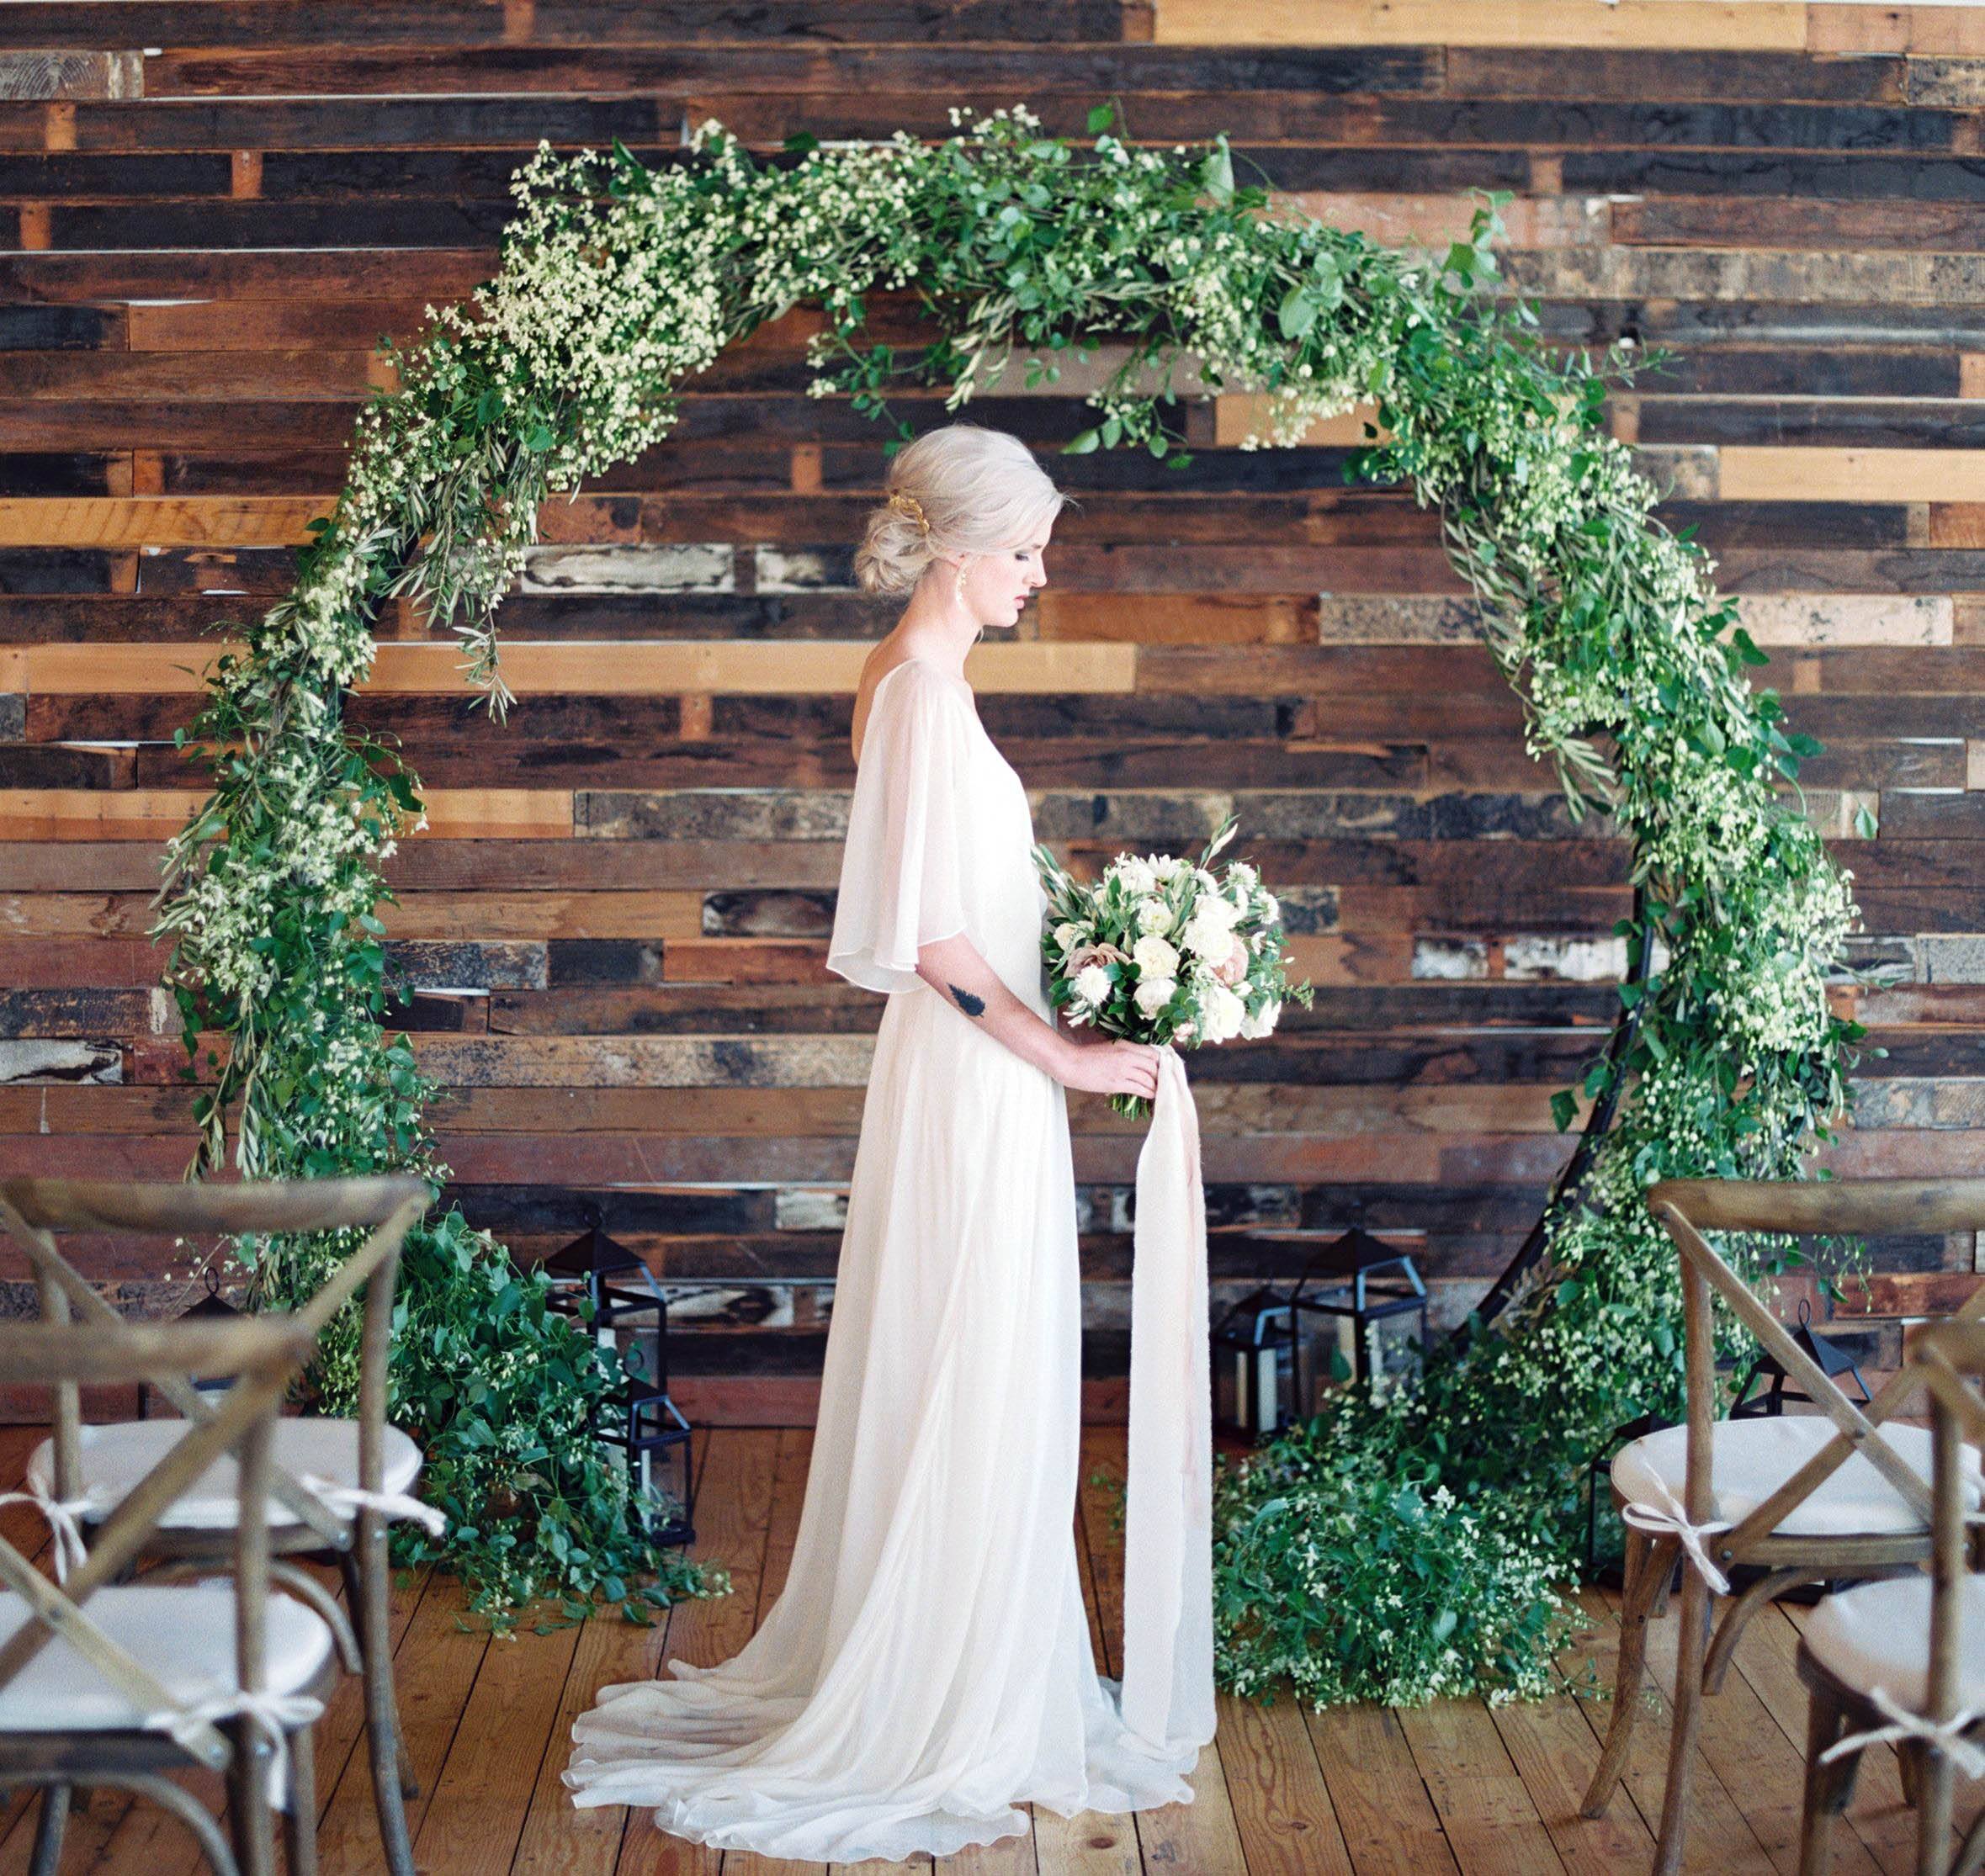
<point x="1396" y="1550"/>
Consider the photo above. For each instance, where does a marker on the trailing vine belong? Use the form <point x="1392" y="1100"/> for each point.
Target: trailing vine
<point x="1449" y="1508"/>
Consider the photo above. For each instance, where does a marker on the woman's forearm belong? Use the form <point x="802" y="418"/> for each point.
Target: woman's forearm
<point x="955" y="970"/>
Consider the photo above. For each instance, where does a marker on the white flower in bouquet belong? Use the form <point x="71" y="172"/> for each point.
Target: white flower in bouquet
<point x="1092" y="985"/>
<point x="1154" y="957"/>
<point x="1224" y="1013"/>
<point x="1261" y="1023"/>
<point x="1163" y="951"/>
<point x="1209" y="932"/>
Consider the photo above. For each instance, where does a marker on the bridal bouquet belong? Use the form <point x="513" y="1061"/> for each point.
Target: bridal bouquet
<point x="1162" y="950"/>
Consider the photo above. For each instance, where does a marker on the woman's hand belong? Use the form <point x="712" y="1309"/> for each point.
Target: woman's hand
<point x="1111" y="1067"/>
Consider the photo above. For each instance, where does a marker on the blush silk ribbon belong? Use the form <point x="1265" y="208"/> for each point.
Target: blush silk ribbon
<point x="1168" y="1618"/>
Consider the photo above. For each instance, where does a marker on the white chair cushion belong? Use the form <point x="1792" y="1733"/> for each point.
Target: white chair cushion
<point x="184" y="1636"/>
<point x="1754" y="1457"/>
<point x="118" y="1454"/>
<point x="1877" y="1635"/>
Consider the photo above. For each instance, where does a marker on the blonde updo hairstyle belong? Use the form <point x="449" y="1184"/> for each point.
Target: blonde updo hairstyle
<point x="959" y="491"/>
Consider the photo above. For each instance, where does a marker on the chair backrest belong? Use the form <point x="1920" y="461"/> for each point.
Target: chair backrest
<point x="1834" y="1208"/>
<point x="33" y="1210"/>
<point x="1948" y="1357"/>
<point x="263" y="1354"/>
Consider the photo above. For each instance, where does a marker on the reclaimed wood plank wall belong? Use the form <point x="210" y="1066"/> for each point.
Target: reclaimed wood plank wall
<point x="211" y="209"/>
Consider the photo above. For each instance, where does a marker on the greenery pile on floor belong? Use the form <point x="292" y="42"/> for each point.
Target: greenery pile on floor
<point x="1443" y="1514"/>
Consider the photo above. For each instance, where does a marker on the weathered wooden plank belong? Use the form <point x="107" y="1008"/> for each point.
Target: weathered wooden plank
<point x="1774" y="25"/>
<point x="598" y="670"/>
<point x="72" y="521"/>
<point x="1388" y="1821"/>
<point x="157" y="814"/>
<point x="55" y="278"/>
<point x="1288" y="1824"/>
<point x="599" y="71"/>
<point x="26" y="76"/>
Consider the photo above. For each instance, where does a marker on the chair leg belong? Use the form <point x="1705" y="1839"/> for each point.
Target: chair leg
<point x="1935" y="1776"/>
<point x="1970" y="1854"/>
<point x="1829" y="1788"/>
<point x="1692" y="1645"/>
<point x="299" y="1824"/>
<point x="247" y="1800"/>
<point x="410" y="1785"/>
<point x="49" y="1826"/>
<point x="1909" y="1767"/>
<point x="1646" y="1564"/>
<point x="391" y="1768"/>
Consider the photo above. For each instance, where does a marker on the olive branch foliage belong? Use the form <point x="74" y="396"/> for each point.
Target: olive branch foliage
<point x="1389" y="1550"/>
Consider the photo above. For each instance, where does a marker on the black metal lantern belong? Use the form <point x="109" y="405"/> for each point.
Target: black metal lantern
<point x="1599" y="1489"/>
<point x="1350" y="1289"/>
<point x="651" y="1443"/>
<point x="211" y="1307"/>
<point x="1831" y="1361"/>
<point x="1254" y="1366"/>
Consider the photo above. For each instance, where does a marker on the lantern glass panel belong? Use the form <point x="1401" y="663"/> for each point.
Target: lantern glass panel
<point x="1254" y="1368"/>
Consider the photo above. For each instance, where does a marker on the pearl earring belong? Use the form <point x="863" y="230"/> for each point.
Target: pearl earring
<point x="960" y="587"/>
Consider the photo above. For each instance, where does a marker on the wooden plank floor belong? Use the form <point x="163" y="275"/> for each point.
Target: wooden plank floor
<point x="1459" y="1789"/>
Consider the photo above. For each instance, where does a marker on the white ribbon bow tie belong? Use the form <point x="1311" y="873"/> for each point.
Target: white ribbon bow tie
<point x="63" y="1516"/>
<point x="349" y="1499"/>
<point x="275" y="1714"/>
<point x="1670" y="1519"/>
<point x="1946" y="1736"/>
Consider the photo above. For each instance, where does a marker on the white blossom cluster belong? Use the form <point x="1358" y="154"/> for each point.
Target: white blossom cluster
<point x="1162" y="951"/>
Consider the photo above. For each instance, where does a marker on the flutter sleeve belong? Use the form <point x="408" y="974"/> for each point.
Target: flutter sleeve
<point x="903" y="871"/>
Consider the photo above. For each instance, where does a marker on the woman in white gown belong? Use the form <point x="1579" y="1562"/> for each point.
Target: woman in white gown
<point x="927" y="1668"/>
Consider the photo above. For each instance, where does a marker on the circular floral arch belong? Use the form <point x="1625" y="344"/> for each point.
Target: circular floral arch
<point x="618" y="284"/>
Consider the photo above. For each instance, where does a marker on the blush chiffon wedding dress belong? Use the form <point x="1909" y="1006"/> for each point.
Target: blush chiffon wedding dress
<point x="927" y="1668"/>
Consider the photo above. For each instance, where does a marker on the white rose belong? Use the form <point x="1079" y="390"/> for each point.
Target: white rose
<point x="1153" y="993"/>
<point x="1224" y="1013"/>
<point x="1257" y="1027"/>
<point x="1135" y="877"/>
<point x="1154" y="916"/>
<point x="1154" y="957"/>
<point x="1067" y="936"/>
<point x="1092" y="985"/>
<point x="1209" y="932"/>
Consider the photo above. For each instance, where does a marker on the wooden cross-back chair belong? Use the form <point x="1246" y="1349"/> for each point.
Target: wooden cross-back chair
<point x="333" y="1484"/>
<point x="109" y="1684"/>
<point x="1835" y="1496"/>
<point x="1903" y="1660"/>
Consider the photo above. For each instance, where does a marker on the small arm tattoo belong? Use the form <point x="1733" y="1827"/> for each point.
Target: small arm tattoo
<point x="972" y="1005"/>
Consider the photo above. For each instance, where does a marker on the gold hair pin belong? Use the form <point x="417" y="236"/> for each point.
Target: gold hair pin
<point x="904" y="503"/>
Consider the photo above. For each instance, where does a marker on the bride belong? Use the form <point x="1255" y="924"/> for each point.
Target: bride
<point x="927" y="1668"/>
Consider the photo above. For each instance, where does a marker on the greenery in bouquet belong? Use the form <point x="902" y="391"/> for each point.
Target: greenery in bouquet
<point x="1163" y="951"/>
